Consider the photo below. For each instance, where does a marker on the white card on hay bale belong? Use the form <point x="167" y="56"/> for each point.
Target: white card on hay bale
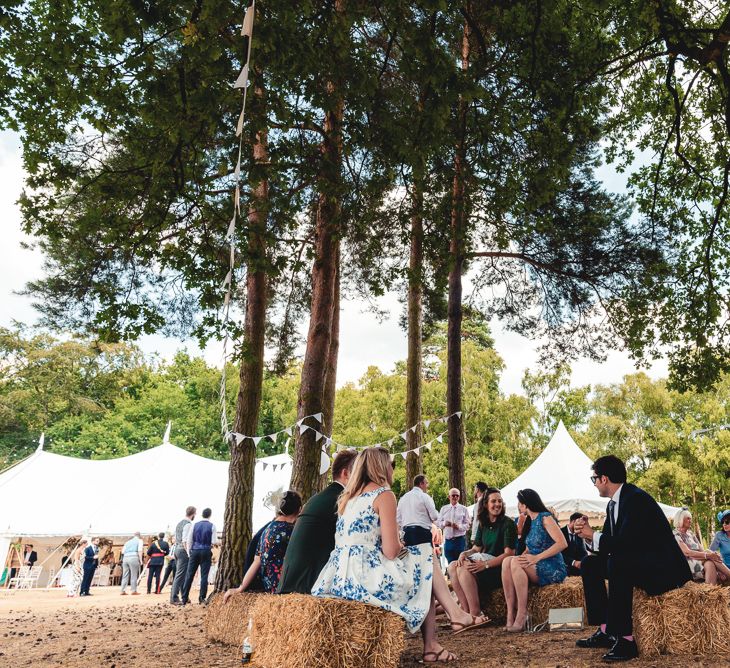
<point x="300" y="631"/>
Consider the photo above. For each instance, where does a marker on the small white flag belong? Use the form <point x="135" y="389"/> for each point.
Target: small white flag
<point x="231" y="227"/>
<point x="391" y="441"/>
<point x="226" y="299"/>
<point x="440" y="438"/>
<point x="428" y="445"/>
<point x="318" y="417"/>
<point x="237" y="170"/>
<point x="303" y="428"/>
<point x="256" y="439"/>
<point x="264" y="465"/>
<point x="414" y="427"/>
<point x="288" y="431"/>
<point x="237" y="198"/>
<point x="300" y="422"/>
<point x="404" y="435"/>
<point x="242" y="80"/>
<point x="247" y="27"/>
<point x="272" y="437"/>
<point x="226" y="280"/>
<point x="317" y="435"/>
<point x="404" y="454"/>
<point x="239" y="125"/>
<point x="239" y="438"/>
<point x="458" y="414"/>
<point x="426" y="423"/>
<point x="273" y="467"/>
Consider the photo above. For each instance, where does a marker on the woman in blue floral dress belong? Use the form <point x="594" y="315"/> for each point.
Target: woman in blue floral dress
<point x="272" y="546"/>
<point x="540" y="564"/>
<point x="369" y="563"/>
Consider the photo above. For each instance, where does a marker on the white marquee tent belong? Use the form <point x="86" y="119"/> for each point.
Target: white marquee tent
<point x="561" y="476"/>
<point x="50" y="495"/>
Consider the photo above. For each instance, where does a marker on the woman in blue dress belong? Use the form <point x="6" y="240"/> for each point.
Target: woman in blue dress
<point x="541" y="563"/>
<point x="369" y="563"/>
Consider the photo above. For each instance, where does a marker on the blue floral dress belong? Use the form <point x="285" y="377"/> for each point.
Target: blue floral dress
<point x="358" y="570"/>
<point x="551" y="570"/>
<point x="272" y="549"/>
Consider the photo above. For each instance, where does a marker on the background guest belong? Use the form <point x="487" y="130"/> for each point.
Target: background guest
<point x="313" y="538"/>
<point x="30" y="556"/>
<point x="576" y="550"/>
<point x="272" y="546"/>
<point x="132" y="563"/>
<point x="541" y="563"/>
<point x="91" y="561"/>
<point x="76" y="559"/>
<point x="478" y="571"/>
<point x="479" y="490"/>
<point x="199" y="547"/>
<point x="721" y="541"/>
<point x="169" y="571"/>
<point x="156" y="552"/>
<point x="182" y="533"/>
<point x="704" y="565"/>
<point x="416" y="513"/>
<point x="454" y="520"/>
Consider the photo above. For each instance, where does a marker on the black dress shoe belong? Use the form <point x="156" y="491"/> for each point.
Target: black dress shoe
<point x="623" y="650"/>
<point x="598" y="639"/>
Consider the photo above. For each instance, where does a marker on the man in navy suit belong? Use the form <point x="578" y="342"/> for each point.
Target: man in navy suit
<point x="635" y="549"/>
<point x="576" y="551"/>
<point x="91" y="561"/>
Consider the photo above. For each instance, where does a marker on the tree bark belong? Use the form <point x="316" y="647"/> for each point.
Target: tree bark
<point x="305" y="473"/>
<point x="330" y="383"/>
<point x="414" y="366"/>
<point x="239" y="497"/>
<point x="456" y="252"/>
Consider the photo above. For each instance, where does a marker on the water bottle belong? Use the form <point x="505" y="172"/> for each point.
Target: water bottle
<point x="247" y="646"/>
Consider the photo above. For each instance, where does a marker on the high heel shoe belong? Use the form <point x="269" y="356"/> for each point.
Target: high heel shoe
<point x="517" y="628"/>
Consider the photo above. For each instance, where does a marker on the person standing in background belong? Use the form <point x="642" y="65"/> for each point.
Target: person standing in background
<point x="416" y="513"/>
<point x="454" y="520"/>
<point x="132" y="563"/>
<point x="91" y="561"/>
<point x="479" y="490"/>
<point x="157" y="552"/>
<point x="200" y="548"/>
<point x="182" y="533"/>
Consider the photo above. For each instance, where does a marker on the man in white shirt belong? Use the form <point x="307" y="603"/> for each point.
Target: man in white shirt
<point x="416" y="513"/>
<point x="454" y="520"/>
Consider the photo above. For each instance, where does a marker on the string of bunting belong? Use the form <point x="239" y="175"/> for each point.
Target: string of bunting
<point x="327" y="441"/>
<point x="242" y="84"/>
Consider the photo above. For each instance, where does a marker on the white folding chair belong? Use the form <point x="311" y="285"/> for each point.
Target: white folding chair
<point x="20" y="580"/>
<point x="101" y="577"/>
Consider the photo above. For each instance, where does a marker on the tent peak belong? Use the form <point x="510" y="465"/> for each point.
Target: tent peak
<point x="41" y="442"/>
<point x="166" y="437"/>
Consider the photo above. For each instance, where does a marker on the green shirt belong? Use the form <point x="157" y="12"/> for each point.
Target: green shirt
<point x="494" y="538"/>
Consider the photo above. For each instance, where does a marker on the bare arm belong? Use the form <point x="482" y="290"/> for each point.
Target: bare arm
<point x="385" y="506"/>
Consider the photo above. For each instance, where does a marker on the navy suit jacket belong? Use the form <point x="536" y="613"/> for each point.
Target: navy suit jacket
<point x="643" y="538"/>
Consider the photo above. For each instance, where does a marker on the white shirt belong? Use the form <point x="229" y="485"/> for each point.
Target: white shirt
<point x="456" y="514"/>
<point x="597" y="534"/>
<point x="416" y="508"/>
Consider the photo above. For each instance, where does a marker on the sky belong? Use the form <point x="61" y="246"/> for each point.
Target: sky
<point x="364" y="340"/>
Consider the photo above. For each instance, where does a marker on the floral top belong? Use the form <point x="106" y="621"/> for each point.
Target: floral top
<point x="272" y="548"/>
<point x="690" y="540"/>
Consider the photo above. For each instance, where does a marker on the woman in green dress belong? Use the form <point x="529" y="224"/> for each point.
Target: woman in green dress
<point x="478" y="571"/>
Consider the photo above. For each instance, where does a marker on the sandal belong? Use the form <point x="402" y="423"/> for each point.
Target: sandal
<point x="438" y="657"/>
<point x="468" y="627"/>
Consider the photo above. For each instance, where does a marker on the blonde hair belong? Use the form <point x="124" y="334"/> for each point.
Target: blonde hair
<point x="679" y="517"/>
<point x="371" y="465"/>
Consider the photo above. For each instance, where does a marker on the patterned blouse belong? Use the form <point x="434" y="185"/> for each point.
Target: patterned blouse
<point x="272" y="548"/>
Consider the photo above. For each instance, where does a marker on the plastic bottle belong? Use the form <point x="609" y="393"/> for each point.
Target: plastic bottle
<point x="247" y="646"/>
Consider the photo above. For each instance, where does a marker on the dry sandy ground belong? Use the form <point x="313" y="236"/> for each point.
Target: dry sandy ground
<point x="40" y="628"/>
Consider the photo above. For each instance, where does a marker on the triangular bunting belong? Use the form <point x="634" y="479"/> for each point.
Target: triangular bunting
<point x="242" y="80"/>
<point x="391" y="441"/>
<point x="440" y="438"/>
<point x="428" y="445"/>
<point x="303" y="428"/>
<point x="239" y="125"/>
<point x="426" y="423"/>
<point x="404" y="435"/>
<point x="288" y="431"/>
<point x="273" y="467"/>
<point x="237" y="170"/>
<point x="239" y="438"/>
<point x="256" y="439"/>
<point x="414" y="427"/>
<point x="317" y="435"/>
<point x="318" y="417"/>
<point x="404" y="454"/>
<point x="458" y="414"/>
<point x="264" y="465"/>
<point x="247" y="27"/>
<point x="272" y="437"/>
<point x="231" y="227"/>
<point x="226" y="280"/>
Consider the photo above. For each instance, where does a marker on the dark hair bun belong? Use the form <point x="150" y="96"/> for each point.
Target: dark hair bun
<point x="291" y="502"/>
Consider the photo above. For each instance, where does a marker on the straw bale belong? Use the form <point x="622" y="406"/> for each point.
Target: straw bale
<point x="568" y="594"/>
<point x="227" y="623"/>
<point x="691" y="620"/>
<point x="300" y="631"/>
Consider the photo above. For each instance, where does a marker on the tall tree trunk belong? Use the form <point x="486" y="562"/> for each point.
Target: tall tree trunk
<point x="414" y="368"/>
<point x="305" y="474"/>
<point x="239" y="497"/>
<point x="456" y="252"/>
<point x="330" y="382"/>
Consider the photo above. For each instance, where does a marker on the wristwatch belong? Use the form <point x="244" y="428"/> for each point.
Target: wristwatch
<point x="486" y="564"/>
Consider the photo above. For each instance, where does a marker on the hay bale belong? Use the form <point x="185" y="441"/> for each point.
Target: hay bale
<point x="227" y="622"/>
<point x="300" y="631"/>
<point x="691" y="620"/>
<point x="568" y="594"/>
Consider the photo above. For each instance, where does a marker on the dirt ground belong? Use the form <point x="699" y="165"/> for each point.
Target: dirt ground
<point x="39" y="628"/>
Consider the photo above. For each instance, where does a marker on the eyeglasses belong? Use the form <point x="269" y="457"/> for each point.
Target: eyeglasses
<point x="454" y="496"/>
<point x="594" y="478"/>
<point x="726" y="520"/>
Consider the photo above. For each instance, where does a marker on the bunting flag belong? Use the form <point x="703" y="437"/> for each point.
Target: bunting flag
<point x="241" y="83"/>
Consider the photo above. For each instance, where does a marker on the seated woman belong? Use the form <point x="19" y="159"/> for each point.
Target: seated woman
<point x="721" y="541"/>
<point x="705" y="566"/>
<point x="541" y="563"/>
<point x="369" y="563"/>
<point x="478" y="571"/>
<point x="272" y="546"/>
